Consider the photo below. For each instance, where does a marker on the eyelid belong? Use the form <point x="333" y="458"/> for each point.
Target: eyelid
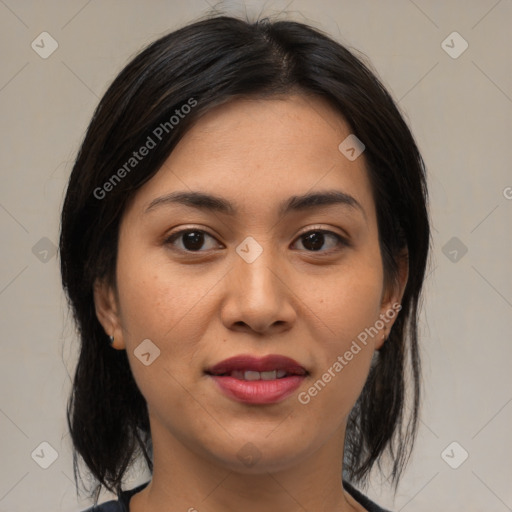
<point x="322" y="229"/>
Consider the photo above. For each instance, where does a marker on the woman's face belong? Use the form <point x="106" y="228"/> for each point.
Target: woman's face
<point x="252" y="268"/>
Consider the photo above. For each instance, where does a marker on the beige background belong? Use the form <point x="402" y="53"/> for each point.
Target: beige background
<point x="460" y="110"/>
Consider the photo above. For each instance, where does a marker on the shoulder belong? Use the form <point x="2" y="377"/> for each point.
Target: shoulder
<point x="370" y="506"/>
<point x="119" y="505"/>
<point x="109" y="506"/>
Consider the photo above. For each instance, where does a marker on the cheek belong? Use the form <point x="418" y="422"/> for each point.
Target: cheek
<point x="343" y="364"/>
<point x="170" y="307"/>
<point x="346" y="302"/>
<point x="347" y="307"/>
<point x="159" y="299"/>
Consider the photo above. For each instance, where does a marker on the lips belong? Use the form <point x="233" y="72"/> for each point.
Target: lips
<point x="245" y="367"/>
<point x="253" y="380"/>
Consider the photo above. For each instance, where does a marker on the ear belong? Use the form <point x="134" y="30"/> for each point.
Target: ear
<point x="107" y="312"/>
<point x="392" y="298"/>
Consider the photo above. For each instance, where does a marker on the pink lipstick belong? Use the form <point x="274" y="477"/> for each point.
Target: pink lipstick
<point x="253" y="380"/>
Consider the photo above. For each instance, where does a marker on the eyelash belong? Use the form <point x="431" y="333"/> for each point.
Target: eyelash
<point x="340" y="240"/>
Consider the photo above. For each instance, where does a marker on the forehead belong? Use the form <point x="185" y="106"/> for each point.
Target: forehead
<point x="290" y="128"/>
<point x="258" y="151"/>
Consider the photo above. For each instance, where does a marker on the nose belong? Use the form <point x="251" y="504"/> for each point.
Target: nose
<point x="258" y="298"/>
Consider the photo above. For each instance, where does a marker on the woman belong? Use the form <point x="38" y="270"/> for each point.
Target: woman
<point x="243" y="244"/>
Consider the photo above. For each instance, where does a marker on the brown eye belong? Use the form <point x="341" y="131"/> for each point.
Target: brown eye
<point x="193" y="240"/>
<point x="321" y="240"/>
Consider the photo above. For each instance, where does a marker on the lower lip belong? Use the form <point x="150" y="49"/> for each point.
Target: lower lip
<point x="258" y="391"/>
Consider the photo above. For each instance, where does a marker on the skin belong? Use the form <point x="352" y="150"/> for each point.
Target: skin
<point x="201" y="307"/>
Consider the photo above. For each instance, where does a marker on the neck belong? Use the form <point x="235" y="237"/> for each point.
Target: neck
<point x="184" y="479"/>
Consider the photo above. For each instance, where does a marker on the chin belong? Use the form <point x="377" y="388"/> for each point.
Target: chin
<point x="258" y="452"/>
<point x="251" y="461"/>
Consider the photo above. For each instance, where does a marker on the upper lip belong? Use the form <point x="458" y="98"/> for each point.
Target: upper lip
<point x="244" y="362"/>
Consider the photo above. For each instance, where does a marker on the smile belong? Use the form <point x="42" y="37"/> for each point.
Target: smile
<point x="266" y="380"/>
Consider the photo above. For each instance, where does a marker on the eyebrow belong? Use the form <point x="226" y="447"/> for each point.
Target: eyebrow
<point x="218" y="204"/>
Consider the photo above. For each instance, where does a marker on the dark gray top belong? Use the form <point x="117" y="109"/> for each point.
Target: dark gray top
<point x="122" y="503"/>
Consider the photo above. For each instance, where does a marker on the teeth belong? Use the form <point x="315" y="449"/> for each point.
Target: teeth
<point x="252" y="375"/>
